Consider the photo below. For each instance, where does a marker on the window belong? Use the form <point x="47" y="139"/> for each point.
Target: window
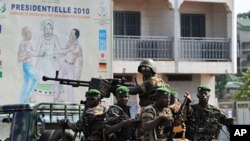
<point x="127" y="23"/>
<point x="192" y="25"/>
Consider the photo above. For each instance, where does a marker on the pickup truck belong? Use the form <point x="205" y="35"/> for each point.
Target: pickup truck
<point x="38" y="122"/>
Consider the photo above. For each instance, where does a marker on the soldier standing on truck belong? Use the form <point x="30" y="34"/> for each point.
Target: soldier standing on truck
<point x="119" y="125"/>
<point x="204" y="120"/>
<point x="151" y="81"/>
<point x="92" y="121"/>
<point x="146" y="90"/>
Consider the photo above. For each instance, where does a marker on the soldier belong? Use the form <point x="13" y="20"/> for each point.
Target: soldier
<point x="119" y="125"/>
<point x="157" y="119"/>
<point x="204" y="121"/>
<point x="92" y="121"/>
<point x="146" y="90"/>
<point x="151" y="81"/>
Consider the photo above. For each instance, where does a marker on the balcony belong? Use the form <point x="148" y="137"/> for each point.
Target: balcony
<point x="138" y="47"/>
<point x="204" y="49"/>
<point x="132" y="48"/>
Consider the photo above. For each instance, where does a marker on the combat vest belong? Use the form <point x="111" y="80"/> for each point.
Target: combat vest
<point x="162" y="131"/>
<point x="204" y="123"/>
<point x="148" y="88"/>
<point x="115" y="115"/>
<point x="92" y="123"/>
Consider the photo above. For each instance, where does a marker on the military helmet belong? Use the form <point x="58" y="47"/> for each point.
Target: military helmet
<point x="147" y="63"/>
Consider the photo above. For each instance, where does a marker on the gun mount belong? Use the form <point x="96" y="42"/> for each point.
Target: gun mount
<point x="105" y="86"/>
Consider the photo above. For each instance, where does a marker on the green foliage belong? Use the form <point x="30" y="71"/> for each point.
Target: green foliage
<point x="244" y="15"/>
<point x="224" y="82"/>
<point x="221" y="81"/>
<point x="244" y="93"/>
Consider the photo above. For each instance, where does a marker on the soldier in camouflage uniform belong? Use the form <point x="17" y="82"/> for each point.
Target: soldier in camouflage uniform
<point x="92" y="121"/>
<point x="119" y="125"/>
<point x="157" y="119"/>
<point x="204" y="121"/>
<point x="146" y="90"/>
<point x="151" y="81"/>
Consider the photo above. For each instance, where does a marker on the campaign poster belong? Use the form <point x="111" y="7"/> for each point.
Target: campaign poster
<point x="69" y="39"/>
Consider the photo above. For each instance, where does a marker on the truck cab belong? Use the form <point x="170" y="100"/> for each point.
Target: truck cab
<point x="38" y="122"/>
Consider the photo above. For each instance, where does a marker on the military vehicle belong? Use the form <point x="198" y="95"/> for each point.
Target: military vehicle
<point x="39" y="122"/>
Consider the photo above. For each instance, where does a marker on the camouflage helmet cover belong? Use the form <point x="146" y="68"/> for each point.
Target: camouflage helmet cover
<point x="148" y="63"/>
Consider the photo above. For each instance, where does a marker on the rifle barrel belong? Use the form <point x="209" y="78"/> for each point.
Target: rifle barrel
<point x="74" y="83"/>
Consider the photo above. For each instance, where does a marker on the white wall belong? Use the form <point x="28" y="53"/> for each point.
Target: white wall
<point x="153" y="14"/>
<point x="215" y="22"/>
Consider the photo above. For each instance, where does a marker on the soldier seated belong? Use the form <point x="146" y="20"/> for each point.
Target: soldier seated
<point x="204" y="121"/>
<point x="157" y="119"/>
<point x="119" y="125"/>
<point x="92" y="121"/>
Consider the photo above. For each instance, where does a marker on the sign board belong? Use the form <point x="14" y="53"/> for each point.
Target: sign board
<point x="39" y="37"/>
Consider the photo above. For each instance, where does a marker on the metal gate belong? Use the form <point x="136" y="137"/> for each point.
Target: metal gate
<point x="243" y="112"/>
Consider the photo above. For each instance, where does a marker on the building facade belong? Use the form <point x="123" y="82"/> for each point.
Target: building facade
<point x="191" y="41"/>
<point x="243" y="40"/>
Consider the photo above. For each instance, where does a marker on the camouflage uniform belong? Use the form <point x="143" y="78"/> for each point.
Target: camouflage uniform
<point x="204" y="120"/>
<point x="92" y="121"/>
<point x="116" y="114"/>
<point x="204" y="123"/>
<point x="163" y="129"/>
<point x="150" y="83"/>
<point x="148" y="88"/>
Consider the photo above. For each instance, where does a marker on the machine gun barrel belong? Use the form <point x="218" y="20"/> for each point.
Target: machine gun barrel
<point x="105" y="86"/>
<point x="74" y="83"/>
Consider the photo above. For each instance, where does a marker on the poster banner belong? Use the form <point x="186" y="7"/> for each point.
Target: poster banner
<point x="40" y="37"/>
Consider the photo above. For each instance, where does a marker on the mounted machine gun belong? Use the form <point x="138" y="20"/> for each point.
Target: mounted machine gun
<point x="105" y="86"/>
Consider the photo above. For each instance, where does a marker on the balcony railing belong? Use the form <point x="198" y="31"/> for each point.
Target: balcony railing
<point x="161" y="48"/>
<point x="138" y="47"/>
<point x="208" y="49"/>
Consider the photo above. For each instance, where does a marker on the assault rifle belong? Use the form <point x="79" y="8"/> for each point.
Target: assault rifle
<point x="105" y="86"/>
<point x="180" y="117"/>
<point x="181" y="112"/>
